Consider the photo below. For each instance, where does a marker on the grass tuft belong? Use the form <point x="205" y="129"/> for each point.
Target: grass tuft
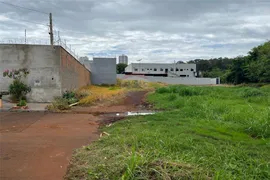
<point x="250" y="92"/>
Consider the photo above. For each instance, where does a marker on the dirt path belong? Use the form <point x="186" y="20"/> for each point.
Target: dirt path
<point x="133" y="101"/>
<point x="41" y="150"/>
<point x="38" y="145"/>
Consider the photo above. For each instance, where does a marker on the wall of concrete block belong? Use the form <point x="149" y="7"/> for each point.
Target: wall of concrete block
<point x="170" y="80"/>
<point x="73" y="73"/>
<point x="43" y="64"/>
<point x="103" y="71"/>
<point x="52" y="70"/>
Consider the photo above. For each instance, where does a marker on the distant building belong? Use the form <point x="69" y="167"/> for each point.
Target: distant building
<point x="162" y="69"/>
<point x="166" y="73"/>
<point x="123" y="59"/>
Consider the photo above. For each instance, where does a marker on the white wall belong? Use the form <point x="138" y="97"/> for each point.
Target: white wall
<point x="154" y="68"/>
<point x="169" y="80"/>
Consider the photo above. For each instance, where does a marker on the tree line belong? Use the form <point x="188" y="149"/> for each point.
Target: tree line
<point x="252" y="68"/>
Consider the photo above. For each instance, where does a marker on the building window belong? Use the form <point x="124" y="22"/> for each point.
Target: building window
<point x="135" y="69"/>
<point x="171" y="69"/>
<point x="147" y="69"/>
<point x="187" y="75"/>
<point x="181" y="69"/>
<point x="142" y="69"/>
<point x="177" y="69"/>
<point x="191" y="69"/>
<point x="150" y="69"/>
<point x="161" y="69"/>
<point x="187" y="69"/>
<point x="183" y="75"/>
<point x="155" y="69"/>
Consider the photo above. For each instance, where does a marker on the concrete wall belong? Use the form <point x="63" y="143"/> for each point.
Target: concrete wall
<point x="170" y="80"/>
<point x="52" y="70"/>
<point x="73" y="74"/>
<point x="43" y="64"/>
<point x="103" y="71"/>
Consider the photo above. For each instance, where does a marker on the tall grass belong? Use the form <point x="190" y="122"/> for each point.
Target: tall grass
<point x="214" y="133"/>
<point x="95" y="94"/>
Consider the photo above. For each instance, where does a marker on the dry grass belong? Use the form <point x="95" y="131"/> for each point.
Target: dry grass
<point x="111" y="94"/>
<point x="134" y="84"/>
<point x="97" y="94"/>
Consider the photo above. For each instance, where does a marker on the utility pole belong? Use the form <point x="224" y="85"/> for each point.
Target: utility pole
<point x="51" y="30"/>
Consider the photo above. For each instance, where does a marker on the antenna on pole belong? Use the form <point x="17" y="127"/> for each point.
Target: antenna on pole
<point x="59" y="39"/>
<point x="25" y="36"/>
<point x="51" y="29"/>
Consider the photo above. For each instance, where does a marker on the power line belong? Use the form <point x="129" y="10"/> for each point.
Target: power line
<point x="24" y="7"/>
<point x="18" y="22"/>
<point x="33" y="22"/>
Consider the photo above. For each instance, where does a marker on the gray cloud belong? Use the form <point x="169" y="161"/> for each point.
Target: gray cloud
<point x="155" y="30"/>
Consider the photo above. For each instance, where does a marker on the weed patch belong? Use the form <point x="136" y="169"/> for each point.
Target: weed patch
<point x="250" y="92"/>
<point x="204" y="133"/>
<point x="59" y="104"/>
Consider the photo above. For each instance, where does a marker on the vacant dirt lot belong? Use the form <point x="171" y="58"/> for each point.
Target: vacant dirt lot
<point x="38" y="145"/>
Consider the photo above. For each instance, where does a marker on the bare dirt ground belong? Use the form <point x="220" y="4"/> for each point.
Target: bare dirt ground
<point x="134" y="101"/>
<point x="38" y="145"/>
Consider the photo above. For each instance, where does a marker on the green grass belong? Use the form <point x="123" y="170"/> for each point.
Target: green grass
<point x="203" y="133"/>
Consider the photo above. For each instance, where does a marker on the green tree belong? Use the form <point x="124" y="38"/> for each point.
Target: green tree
<point x="258" y="64"/>
<point x="120" y="68"/>
<point x="253" y="68"/>
<point x="237" y="72"/>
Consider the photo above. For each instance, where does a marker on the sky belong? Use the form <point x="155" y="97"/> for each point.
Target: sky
<point x="152" y="30"/>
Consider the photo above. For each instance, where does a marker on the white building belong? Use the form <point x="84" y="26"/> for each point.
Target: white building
<point x="123" y="59"/>
<point x="162" y="69"/>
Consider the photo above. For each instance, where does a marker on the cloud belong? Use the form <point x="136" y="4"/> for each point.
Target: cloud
<point x="4" y="18"/>
<point x="154" y="30"/>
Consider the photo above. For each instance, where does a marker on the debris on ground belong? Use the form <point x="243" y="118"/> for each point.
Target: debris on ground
<point x="103" y="134"/>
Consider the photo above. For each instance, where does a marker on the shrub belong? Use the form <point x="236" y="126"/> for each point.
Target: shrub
<point x="172" y="97"/>
<point x="181" y="90"/>
<point x="59" y="103"/>
<point x="82" y="94"/>
<point x="22" y="103"/>
<point x="69" y="95"/>
<point x="250" y="92"/>
<point x="188" y="91"/>
<point x="72" y="100"/>
<point x="162" y="90"/>
<point x="174" y="89"/>
<point x="16" y="74"/>
<point x="18" y="90"/>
